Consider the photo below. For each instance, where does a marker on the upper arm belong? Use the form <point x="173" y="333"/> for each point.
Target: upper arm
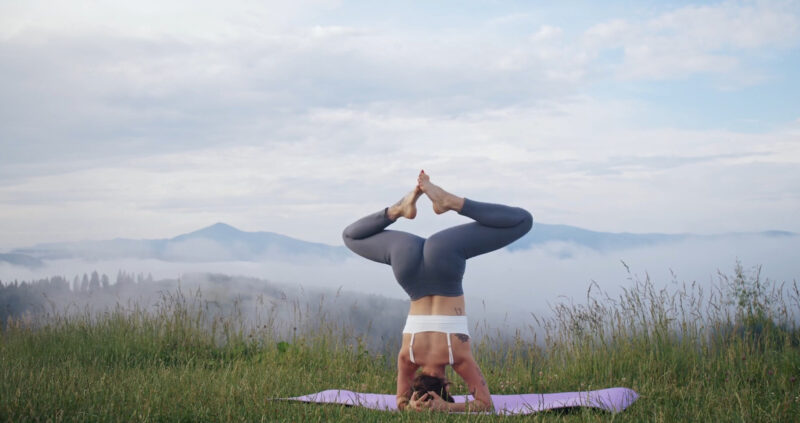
<point x="469" y="371"/>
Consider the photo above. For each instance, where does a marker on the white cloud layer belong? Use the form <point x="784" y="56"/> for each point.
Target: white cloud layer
<point x="146" y="120"/>
<point x="697" y="39"/>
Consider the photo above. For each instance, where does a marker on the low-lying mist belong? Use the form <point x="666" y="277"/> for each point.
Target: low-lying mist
<point x="503" y="288"/>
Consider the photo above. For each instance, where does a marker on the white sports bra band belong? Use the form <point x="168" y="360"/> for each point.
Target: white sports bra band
<point x="411" y="349"/>
<point x="435" y="323"/>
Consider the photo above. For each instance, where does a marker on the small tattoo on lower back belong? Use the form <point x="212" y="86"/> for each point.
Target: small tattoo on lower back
<point x="459" y="311"/>
<point x="462" y="337"/>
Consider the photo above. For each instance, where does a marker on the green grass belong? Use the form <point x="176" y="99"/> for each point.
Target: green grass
<point x="730" y="354"/>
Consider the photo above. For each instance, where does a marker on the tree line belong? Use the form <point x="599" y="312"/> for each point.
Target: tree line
<point x="288" y="308"/>
<point x="35" y="297"/>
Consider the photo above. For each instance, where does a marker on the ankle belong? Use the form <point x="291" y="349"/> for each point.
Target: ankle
<point x="455" y="203"/>
<point x="394" y="212"/>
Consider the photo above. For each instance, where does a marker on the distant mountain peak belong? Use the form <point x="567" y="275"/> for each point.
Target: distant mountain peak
<point x="215" y="243"/>
<point x="220" y="226"/>
<point x="218" y="230"/>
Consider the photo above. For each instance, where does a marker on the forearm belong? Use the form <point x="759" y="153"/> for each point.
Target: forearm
<point x="468" y="406"/>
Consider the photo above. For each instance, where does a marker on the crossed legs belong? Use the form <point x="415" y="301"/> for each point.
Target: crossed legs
<point x="494" y="227"/>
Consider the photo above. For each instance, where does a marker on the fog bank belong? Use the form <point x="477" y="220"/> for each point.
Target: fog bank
<point x="497" y="284"/>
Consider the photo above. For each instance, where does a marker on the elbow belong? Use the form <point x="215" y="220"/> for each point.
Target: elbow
<point x="481" y="404"/>
<point x="402" y="402"/>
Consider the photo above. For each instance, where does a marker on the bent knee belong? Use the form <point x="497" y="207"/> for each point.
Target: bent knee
<point x="527" y="220"/>
<point x="347" y="237"/>
<point x="350" y="232"/>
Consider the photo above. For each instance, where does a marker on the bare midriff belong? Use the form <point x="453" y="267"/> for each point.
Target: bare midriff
<point x="438" y="305"/>
<point x="430" y="348"/>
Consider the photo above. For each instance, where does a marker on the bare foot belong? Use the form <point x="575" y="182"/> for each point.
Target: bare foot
<point x="441" y="199"/>
<point x="407" y="206"/>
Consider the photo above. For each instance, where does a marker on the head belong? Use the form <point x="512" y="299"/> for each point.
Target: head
<point x="424" y="383"/>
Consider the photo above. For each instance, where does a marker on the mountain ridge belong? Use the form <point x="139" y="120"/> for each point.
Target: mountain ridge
<point x="218" y="242"/>
<point x="223" y="242"/>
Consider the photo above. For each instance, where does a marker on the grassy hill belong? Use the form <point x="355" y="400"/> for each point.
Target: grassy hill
<point x="728" y="355"/>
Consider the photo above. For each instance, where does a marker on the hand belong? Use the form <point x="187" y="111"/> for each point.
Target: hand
<point x="437" y="403"/>
<point x="419" y="402"/>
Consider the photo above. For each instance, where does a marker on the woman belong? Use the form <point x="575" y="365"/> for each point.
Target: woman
<point x="430" y="271"/>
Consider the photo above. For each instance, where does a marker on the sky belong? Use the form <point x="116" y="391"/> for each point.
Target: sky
<point x="150" y="119"/>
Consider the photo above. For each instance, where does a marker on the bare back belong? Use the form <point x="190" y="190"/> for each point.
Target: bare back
<point x="430" y="348"/>
<point x="438" y="304"/>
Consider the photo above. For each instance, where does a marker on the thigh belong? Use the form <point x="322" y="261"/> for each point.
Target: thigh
<point x="473" y="239"/>
<point x="395" y="248"/>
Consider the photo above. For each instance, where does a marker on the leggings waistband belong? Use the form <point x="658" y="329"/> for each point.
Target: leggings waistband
<point x="416" y="323"/>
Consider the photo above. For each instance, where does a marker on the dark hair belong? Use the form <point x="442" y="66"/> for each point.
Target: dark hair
<point x="423" y="383"/>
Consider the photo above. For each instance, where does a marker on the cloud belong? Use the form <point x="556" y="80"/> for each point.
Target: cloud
<point x="106" y="96"/>
<point x="104" y="91"/>
<point x="343" y="162"/>
<point x="714" y="39"/>
<point x="179" y="18"/>
<point x="647" y="164"/>
<point x="336" y="31"/>
<point x="546" y="33"/>
<point x="149" y="126"/>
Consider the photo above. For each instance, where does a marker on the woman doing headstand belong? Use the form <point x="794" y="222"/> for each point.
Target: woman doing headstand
<point x="430" y="271"/>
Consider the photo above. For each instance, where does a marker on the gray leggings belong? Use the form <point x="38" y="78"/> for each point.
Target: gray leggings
<point x="435" y="266"/>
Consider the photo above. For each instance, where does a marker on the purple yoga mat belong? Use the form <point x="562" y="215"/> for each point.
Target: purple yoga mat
<point x="611" y="399"/>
